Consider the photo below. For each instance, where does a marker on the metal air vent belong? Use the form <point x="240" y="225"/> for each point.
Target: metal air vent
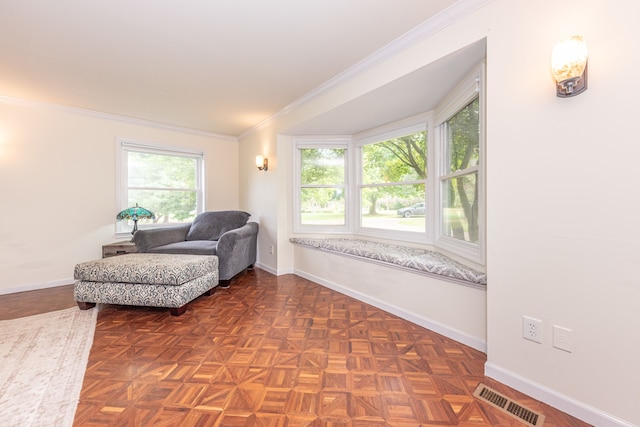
<point x="508" y="406"/>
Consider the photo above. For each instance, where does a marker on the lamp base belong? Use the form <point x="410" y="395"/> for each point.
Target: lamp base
<point x="135" y="228"/>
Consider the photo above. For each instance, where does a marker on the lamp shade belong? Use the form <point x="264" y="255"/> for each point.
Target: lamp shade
<point x="569" y="59"/>
<point x="135" y="213"/>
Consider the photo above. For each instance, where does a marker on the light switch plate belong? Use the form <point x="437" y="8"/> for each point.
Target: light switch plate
<point x="563" y="338"/>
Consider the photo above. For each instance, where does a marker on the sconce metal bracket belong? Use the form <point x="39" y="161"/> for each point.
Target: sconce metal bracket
<point x="572" y="87"/>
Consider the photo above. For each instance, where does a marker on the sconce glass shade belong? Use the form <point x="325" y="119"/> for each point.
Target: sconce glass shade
<point x="568" y="65"/>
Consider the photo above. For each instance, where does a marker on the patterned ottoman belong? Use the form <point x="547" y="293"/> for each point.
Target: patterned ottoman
<point x="153" y="280"/>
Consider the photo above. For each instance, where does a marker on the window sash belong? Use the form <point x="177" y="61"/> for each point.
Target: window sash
<point x="416" y="229"/>
<point x="456" y="223"/>
<point x="465" y="241"/>
<point x="409" y="152"/>
<point x="334" y="216"/>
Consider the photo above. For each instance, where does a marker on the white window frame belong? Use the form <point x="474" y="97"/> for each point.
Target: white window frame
<point x="465" y="92"/>
<point x="418" y="123"/>
<point x="123" y="147"/>
<point x="330" y="142"/>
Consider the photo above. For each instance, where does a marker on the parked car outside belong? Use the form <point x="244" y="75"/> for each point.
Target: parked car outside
<point x="417" y="209"/>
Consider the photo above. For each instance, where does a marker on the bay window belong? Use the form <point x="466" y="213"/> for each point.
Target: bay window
<point x="419" y="180"/>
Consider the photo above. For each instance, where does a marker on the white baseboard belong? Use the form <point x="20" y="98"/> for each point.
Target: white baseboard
<point x="273" y="270"/>
<point x="265" y="268"/>
<point x="582" y="411"/>
<point x="434" y="326"/>
<point x="36" y="286"/>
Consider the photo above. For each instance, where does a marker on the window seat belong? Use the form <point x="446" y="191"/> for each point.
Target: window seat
<point x="404" y="257"/>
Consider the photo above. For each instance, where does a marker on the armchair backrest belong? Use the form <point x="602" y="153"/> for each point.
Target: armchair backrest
<point x="213" y="224"/>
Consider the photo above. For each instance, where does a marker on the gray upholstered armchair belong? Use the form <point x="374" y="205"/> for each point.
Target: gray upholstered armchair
<point x="226" y="234"/>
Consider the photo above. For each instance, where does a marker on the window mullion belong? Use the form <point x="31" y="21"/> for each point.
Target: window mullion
<point x="322" y="186"/>
<point x="460" y="172"/>
<point x="393" y="184"/>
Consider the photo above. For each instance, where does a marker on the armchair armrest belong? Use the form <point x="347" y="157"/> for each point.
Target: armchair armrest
<point x="236" y="250"/>
<point x="152" y="237"/>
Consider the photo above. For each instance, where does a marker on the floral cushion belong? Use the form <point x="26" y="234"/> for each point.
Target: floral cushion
<point x="403" y="256"/>
<point x="151" y="269"/>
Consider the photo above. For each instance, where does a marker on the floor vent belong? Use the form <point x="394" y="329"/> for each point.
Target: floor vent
<point x="508" y="406"/>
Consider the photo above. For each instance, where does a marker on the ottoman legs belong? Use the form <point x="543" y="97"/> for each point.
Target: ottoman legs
<point x="175" y="311"/>
<point x="86" y="305"/>
<point x="178" y="311"/>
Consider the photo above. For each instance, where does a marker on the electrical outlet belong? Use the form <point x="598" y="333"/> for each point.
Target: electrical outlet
<point x="532" y="329"/>
<point x="271" y="249"/>
<point x="563" y="338"/>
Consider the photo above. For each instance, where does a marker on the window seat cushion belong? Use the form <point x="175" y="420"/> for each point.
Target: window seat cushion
<point x="420" y="260"/>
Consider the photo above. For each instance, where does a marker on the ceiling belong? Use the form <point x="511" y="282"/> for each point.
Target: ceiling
<point x="415" y="93"/>
<point x="220" y="66"/>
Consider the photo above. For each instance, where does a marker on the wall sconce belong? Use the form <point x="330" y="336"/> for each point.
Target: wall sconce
<point x="262" y="163"/>
<point x="569" y="67"/>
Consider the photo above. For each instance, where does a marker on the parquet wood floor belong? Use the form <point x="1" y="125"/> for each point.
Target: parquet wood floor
<point x="283" y="352"/>
<point x="21" y="304"/>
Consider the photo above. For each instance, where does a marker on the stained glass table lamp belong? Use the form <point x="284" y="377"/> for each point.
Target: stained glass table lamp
<point x="134" y="214"/>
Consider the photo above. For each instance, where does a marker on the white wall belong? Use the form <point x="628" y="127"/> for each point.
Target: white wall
<point x="57" y="187"/>
<point x="256" y="199"/>
<point x="562" y="197"/>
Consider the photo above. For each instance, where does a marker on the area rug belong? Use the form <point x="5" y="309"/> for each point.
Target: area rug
<point x="42" y="363"/>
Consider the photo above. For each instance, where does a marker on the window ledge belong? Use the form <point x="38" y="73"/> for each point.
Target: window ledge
<point x="405" y="257"/>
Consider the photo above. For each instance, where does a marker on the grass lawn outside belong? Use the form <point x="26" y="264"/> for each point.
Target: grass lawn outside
<point x="386" y="220"/>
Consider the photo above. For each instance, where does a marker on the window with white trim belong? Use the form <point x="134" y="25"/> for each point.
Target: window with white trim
<point x="167" y="181"/>
<point x="459" y="178"/>
<point x="321" y="195"/>
<point x="459" y="126"/>
<point x="393" y="181"/>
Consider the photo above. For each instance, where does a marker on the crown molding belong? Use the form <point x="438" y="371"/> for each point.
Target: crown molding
<point x="429" y="27"/>
<point x="115" y="117"/>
